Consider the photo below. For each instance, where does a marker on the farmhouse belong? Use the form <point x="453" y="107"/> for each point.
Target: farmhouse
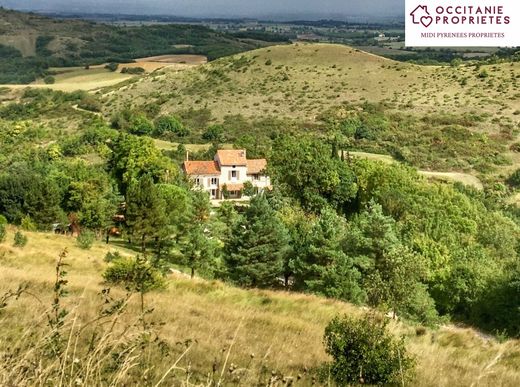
<point x="225" y="176"/>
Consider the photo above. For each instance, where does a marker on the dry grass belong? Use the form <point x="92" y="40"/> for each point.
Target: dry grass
<point x="268" y="331"/>
<point x="302" y="80"/>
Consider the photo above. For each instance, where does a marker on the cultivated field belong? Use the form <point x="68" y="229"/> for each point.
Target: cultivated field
<point x="262" y="330"/>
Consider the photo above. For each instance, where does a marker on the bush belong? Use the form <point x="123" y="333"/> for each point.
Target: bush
<point x="49" y="80"/>
<point x="3" y="232"/>
<point x="85" y="240"/>
<point x="132" y="70"/>
<point x="514" y="179"/>
<point x="110" y="257"/>
<point x="112" y="66"/>
<point x="3" y="220"/>
<point x="364" y="352"/>
<point x="20" y="240"/>
<point x="168" y="124"/>
<point x="28" y="224"/>
<point x="134" y="274"/>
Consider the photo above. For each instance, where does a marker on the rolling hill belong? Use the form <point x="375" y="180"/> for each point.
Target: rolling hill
<point x="461" y="118"/>
<point x="31" y="43"/>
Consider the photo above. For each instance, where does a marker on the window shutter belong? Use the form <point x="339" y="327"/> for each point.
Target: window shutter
<point x="238" y="175"/>
<point x="229" y="175"/>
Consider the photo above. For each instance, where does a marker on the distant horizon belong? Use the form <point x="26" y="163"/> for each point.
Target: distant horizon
<point x="195" y="9"/>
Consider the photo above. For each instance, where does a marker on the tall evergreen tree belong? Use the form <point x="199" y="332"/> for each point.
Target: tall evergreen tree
<point x="145" y="211"/>
<point x="255" y="253"/>
<point x="323" y="267"/>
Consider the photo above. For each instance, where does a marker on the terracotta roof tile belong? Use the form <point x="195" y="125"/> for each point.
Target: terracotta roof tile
<point x="232" y="157"/>
<point x="201" y="168"/>
<point x="256" y="166"/>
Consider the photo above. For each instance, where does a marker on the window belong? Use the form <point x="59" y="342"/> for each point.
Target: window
<point x="234" y="174"/>
<point x="214" y="181"/>
<point x="198" y="181"/>
<point x="256" y="176"/>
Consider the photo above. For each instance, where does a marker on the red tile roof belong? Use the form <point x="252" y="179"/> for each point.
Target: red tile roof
<point x="201" y="168"/>
<point x="232" y="157"/>
<point x="256" y="166"/>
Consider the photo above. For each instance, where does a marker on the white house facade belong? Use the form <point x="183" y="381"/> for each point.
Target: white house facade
<point x="225" y="176"/>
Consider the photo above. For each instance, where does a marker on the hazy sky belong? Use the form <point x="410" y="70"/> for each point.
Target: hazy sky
<point x="229" y="8"/>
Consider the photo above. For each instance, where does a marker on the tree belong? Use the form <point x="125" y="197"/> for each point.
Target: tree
<point x="140" y="125"/>
<point x="197" y="248"/>
<point x="215" y="133"/>
<point x="169" y="124"/>
<point x="322" y="266"/>
<point x="26" y="192"/>
<point x="112" y="66"/>
<point x="396" y="285"/>
<point x="133" y="156"/>
<point x="49" y="80"/>
<point x="364" y="352"/>
<point x="306" y="170"/>
<point x="136" y="275"/>
<point x="145" y="212"/>
<point x="254" y="255"/>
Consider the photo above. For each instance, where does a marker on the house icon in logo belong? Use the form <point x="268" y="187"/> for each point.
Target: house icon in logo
<point x="420" y="15"/>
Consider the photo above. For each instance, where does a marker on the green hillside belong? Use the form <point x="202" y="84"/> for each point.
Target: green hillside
<point x="461" y="118"/>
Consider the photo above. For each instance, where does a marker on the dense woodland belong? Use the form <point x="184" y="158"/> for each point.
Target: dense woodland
<point x="354" y="230"/>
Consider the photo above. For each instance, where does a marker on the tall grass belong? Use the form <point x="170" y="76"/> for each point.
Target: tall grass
<point x="199" y="333"/>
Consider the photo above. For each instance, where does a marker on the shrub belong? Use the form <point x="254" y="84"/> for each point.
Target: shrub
<point x="49" y="80"/>
<point x="3" y="220"/>
<point x="363" y="351"/>
<point x="134" y="274"/>
<point x="514" y="179"/>
<point x="110" y="257"/>
<point x="20" y="240"/>
<point x="85" y="240"/>
<point x="3" y="232"/>
<point x="28" y="224"/>
<point x="140" y="125"/>
<point x="165" y="124"/>
<point x="132" y="70"/>
<point x="112" y="66"/>
<point x="214" y="133"/>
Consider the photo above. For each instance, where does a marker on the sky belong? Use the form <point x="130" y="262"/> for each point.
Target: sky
<point x="219" y="8"/>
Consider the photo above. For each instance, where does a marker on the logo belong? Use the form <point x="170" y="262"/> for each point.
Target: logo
<point x="460" y="23"/>
<point x="420" y="15"/>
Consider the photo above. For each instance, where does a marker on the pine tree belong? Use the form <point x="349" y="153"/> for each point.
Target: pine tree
<point x="146" y="211"/>
<point x="255" y="253"/>
<point x="323" y="267"/>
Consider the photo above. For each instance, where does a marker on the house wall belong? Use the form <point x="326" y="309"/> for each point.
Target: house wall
<point x="262" y="182"/>
<point x="226" y="173"/>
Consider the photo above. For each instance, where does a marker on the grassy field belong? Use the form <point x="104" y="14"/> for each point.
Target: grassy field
<point x="261" y="330"/>
<point x="302" y="80"/>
